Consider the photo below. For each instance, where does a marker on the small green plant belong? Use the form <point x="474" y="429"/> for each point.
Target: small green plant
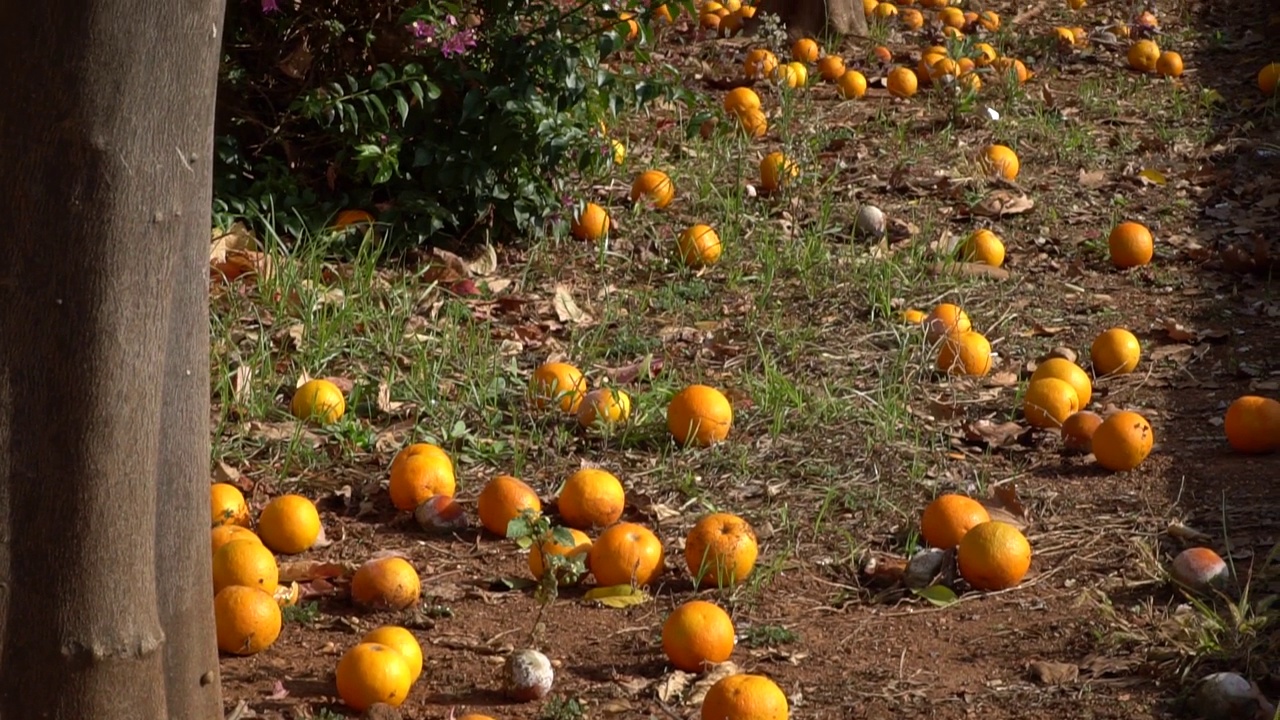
<point x="303" y="613"/>
<point x="769" y="636"/>
<point x="560" y="707"/>
<point x="534" y="530"/>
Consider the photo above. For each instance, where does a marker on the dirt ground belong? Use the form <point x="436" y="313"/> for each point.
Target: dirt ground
<point x="1094" y="631"/>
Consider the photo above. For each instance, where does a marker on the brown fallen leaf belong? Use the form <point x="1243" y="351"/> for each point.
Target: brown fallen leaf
<point x="308" y="570"/>
<point x="713" y="675"/>
<point x="971" y="270"/>
<point x="285" y="431"/>
<point x="1001" y="203"/>
<point x="445" y="268"/>
<point x="1092" y="179"/>
<point x="566" y="308"/>
<point x="671" y="688"/>
<point x="1007" y="495"/>
<point x="645" y="369"/>
<point x="1053" y="673"/>
<point x="995" y="434"/>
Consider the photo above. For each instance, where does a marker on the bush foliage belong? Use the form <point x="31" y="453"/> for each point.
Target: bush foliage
<point x="440" y="118"/>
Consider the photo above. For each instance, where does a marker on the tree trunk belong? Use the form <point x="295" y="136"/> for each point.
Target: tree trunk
<point x="811" y="18"/>
<point x="106" y="144"/>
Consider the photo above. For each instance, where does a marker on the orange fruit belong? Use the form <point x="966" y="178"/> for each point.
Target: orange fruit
<point x="1253" y="424"/>
<point x="318" y="401"/>
<point x="347" y="218"/>
<point x="792" y="75"/>
<point x="720" y="550"/>
<point x="984" y="247"/>
<point x="696" y="634"/>
<point x="1115" y="352"/>
<point x="760" y="63"/>
<point x="1073" y="374"/>
<point x="289" y="524"/>
<point x="882" y="53"/>
<point x="537" y="561"/>
<point x="885" y="10"/>
<point x="626" y="553"/>
<point x="944" y="66"/>
<point x="1009" y="66"/>
<point x="247" y="619"/>
<point x="739" y="99"/>
<point x="607" y="406"/>
<point x="655" y="187"/>
<point x="911" y="316"/>
<point x="372" y="673"/>
<point x="1078" y="430"/>
<point x="1199" y="569"/>
<point x="1169" y="64"/>
<point x="403" y="642"/>
<point x="851" y="85"/>
<point x="949" y="517"/>
<point x="477" y="716"/>
<point x="745" y="697"/>
<point x="1064" y="36"/>
<point x="966" y="353"/>
<point x="1123" y="441"/>
<point x="700" y="415"/>
<point x="504" y="499"/>
<point x="831" y="67"/>
<point x="709" y="21"/>
<point x="228" y="505"/>
<point x="245" y="562"/>
<point x="951" y="17"/>
<point x="1131" y="245"/>
<point x="753" y="123"/>
<point x="591" y="497"/>
<point x="699" y="246"/>
<point x="946" y="319"/>
<point x="775" y="170"/>
<point x="994" y="555"/>
<point x="1268" y="76"/>
<point x="984" y="54"/>
<point x="869" y="7"/>
<point x="989" y="20"/>
<point x="1143" y="55"/>
<point x="557" y="382"/>
<point x="419" y="472"/>
<point x="911" y="19"/>
<point x="970" y="80"/>
<point x="731" y="24"/>
<point x="1049" y="401"/>
<point x="966" y="65"/>
<point x="901" y="82"/>
<point x="1000" y="160"/>
<point x="385" y="583"/>
<point x="591" y="224"/>
<point x="805" y="50"/>
<point x="224" y="534"/>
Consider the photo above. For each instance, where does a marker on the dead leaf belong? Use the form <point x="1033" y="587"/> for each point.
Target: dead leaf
<point x="617" y="596"/>
<point x="384" y="403"/>
<point x="308" y="570"/>
<point x="646" y="369"/>
<point x="486" y="263"/>
<point x="995" y="434"/>
<point x="224" y="473"/>
<point x="445" y="268"/>
<point x="1153" y="176"/>
<point x="278" y="691"/>
<point x="970" y="269"/>
<point x="1092" y="178"/>
<point x="672" y="687"/>
<point x="1053" y="673"/>
<point x="1007" y="496"/>
<point x="241" y="384"/>
<point x="1187" y="534"/>
<point x="297" y="63"/>
<point x="285" y="431"/>
<point x="291" y="336"/>
<point x="633" y="685"/>
<point x="566" y="309"/>
<point x="713" y="675"/>
<point x="1001" y="203"/>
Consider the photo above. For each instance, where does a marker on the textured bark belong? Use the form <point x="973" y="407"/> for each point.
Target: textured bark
<point x="106" y="144"/>
<point x="812" y="18"/>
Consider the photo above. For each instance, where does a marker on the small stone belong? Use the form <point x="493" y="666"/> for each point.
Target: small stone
<point x="923" y="567"/>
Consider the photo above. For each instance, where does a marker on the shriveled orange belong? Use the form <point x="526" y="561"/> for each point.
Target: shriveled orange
<point x="1268" y="77"/>
<point x="289" y="524"/>
<point x="805" y="50"/>
<point x="983" y="246"/>
<point x="1253" y="424"/>
<point x="1063" y="369"/>
<point x="1123" y="441"/>
<point x="745" y="697"/>
<point x="776" y="169"/>
<point x="319" y="401"/>
<point x="386" y="583"/>
<point x="654" y="187"/>
<point x="911" y="18"/>
<point x="403" y="642"/>
<point x="1143" y="55"/>
<point x="504" y="499"/>
<point x="949" y="517"/>
<point x="697" y="634"/>
<point x="247" y="619"/>
<point x="883" y="54"/>
<point x="424" y="474"/>
<point x="902" y="82"/>
<point x="372" y="673"/>
<point x="1049" y="401"/>
<point x="604" y="406"/>
<point x="994" y="555"/>
<point x="1169" y="64"/>
<point x="537" y="554"/>
<point x="759" y="64"/>
<point x="831" y="67"/>
<point x="699" y="246"/>
<point x="984" y="54"/>
<point x="590" y="224"/>
<point x="228" y="505"/>
<point x="989" y="20"/>
<point x="966" y="353"/>
<point x="245" y="562"/>
<point x="591" y="498"/>
<point x="739" y="99"/>
<point x="1011" y="67"/>
<point x="1115" y="352"/>
<point x="224" y="534"/>
<point x="946" y="319"/>
<point x="721" y="550"/>
<point x="1000" y="160"/>
<point x="1131" y="245"/>
<point x="559" y="383"/>
<point x="699" y="415"/>
<point x="626" y="553"/>
<point x="1078" y="430"/>
<point x="852" y="85"/>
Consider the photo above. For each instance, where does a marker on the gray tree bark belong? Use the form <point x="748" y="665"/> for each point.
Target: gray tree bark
<point x="106" y="142"/>
<point x="812" y="18"/>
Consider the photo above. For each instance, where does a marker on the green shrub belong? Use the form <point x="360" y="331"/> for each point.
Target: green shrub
<point x="449" y="119"/>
